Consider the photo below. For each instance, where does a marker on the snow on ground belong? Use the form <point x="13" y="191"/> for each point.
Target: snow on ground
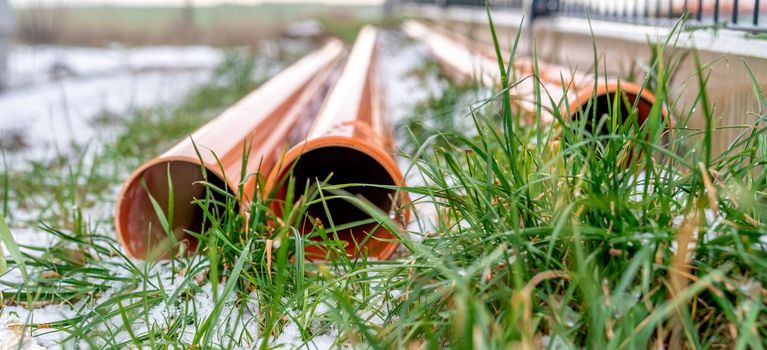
<point x="54" y="115"/>
<point x="54" y="99"/>
<point x="403" y="90"/>
<point x="398" y="58"/>
<point x="56" y="94"/>
<point x="14" y="336"/>
<point x="31" y="65"/>
<point x="202" y="303"/>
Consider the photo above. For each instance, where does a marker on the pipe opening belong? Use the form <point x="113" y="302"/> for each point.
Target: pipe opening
<point x="141" y="230"/>
<point x="603" y="104"/>
<point x="342" y="165"/>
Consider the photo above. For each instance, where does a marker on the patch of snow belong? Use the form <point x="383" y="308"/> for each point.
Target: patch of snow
<point x="56" y="115"/>
<point x="56" y="94"/>
<point x="14" y="336"/>
<point x="305" y="29"/>
<point x="159" y="315"/>
<point x="31" y="237"/>
<point x="677" y="220"/>
<point x="291" y="337"/>
<point x="556" y="342"/>
<point x="713" y="222"/>
<point x="402" y="91"/>
<point x="32" y="65"/>
<point x="711" y="232"/>
<point x="645" y="238"/>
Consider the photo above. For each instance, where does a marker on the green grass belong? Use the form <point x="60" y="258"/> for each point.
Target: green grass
<point x="545" y="236"/>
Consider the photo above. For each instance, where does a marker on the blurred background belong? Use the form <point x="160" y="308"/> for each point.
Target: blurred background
<point x="173" y="22"/>
<point x="69" y="67"/>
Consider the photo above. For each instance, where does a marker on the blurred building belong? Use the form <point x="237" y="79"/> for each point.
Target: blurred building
<point x="6" y="30"/>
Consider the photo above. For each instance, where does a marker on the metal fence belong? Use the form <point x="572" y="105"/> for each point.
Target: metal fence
<point x="6" y="28"/>
<point x="733" y="14"/>
<point x="748" y="15"/>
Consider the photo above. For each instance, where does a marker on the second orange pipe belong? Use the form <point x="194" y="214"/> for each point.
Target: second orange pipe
<point x="349" y="143"/>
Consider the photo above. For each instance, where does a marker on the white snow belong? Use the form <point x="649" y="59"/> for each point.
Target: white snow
<point x="307" y="28"/>
<point x="14" y="336"/>
<point x="402" y="91"/>
<point x="202" y="302"/>
<point x="32" y="65"/>
<point x="398" y="58"/>
<point x="201" y="305"/>
<point x="55" y="94"/>
<point x="55" y="115"/>
<point x="291" y="338"/>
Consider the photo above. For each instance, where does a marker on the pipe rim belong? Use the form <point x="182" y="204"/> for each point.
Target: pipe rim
<point x="122" y="236"/>
<point x="585" y="95"/>
<point x="382" y="157"/>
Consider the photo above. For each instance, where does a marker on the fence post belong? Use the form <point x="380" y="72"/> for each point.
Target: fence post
<point x="543" y="8"/>
<point x="6" y="32"/>
<point x="536" y="9"/>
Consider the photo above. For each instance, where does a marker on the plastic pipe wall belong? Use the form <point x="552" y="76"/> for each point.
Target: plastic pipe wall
<point x="350" y="143"/>
<point x="561" y="89"/>
<point x="246" y="139"/>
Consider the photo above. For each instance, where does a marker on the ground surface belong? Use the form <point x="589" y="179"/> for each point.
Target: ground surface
<point x="528" y="234"/>
<point x="60" y="100"/>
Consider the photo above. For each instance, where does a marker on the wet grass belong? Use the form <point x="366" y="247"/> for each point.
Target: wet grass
<point x="545" y="236"/>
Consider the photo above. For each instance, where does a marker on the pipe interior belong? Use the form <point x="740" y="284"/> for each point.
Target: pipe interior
<point x="141" y="229"/>
<point x="603" y="103"/>
<point x="342" y="165"/>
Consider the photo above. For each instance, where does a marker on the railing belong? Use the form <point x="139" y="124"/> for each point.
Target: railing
<point x="748" y="15"/>
<point x="732" y="14"/>
<point x="6" y="27"/>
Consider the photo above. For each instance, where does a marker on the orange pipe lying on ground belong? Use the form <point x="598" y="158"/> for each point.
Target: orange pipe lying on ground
<point x="351" y="143"/>
<point x="254" y="131"/>
<point x="465" y="60"/>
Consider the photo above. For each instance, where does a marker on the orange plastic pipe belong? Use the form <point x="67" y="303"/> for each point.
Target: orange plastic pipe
<point x="255" y="130"/>
<point x="465" y="60"/>
<point x="351" y="142"/>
